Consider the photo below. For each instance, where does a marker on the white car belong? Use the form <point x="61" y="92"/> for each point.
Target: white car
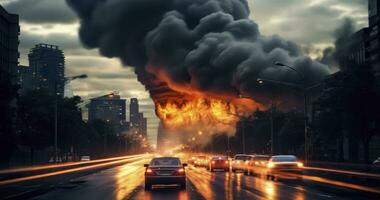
<point x="284" y="166"/>
<point x="239" y="162"/>
<point x="85" y="158"/>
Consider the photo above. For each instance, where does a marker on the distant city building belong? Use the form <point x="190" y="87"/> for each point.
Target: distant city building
<point x="374" y="32"/>
<point x="25" y="79"/>
<point x="134" y="116"/>
<point x="142" y="124"/>
<point x="48" y="66"/>
<point x="109" y="108"/>
<point x="9" y="33"/>
<point x="137" y="119"/>
<point x="358" y="53"/>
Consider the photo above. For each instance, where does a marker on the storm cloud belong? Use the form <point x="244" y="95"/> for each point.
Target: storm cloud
<point x="42" y="11"/>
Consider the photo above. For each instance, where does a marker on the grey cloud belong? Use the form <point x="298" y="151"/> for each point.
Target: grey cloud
<point x="42" y="11"/>
<point x="305" y="23"/>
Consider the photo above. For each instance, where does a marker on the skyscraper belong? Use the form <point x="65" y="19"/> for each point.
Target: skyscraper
<point x="48" y="65"/>
<point x="134" y="116"/>
<point x="109" y="108"/>
<point x="9" y="32"/>
<point x="25" y="79"/>
<point x="374" y="32"/>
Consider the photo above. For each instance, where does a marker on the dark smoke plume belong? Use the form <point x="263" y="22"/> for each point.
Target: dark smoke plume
<point x="338" y="55"/>
<point x="203" y="46"/>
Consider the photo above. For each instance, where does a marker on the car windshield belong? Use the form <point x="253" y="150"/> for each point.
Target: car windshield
<point x="165" y="162"/>
<point x="284" y="159"/>
<point x="242" y="157"/>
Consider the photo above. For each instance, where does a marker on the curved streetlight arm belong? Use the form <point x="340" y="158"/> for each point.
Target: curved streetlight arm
<point x="262" y="81"/>
<point x="301" y="75"/>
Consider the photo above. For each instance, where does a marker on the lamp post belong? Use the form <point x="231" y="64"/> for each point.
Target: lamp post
<point x="304" y="90"/>
<point x="65" y="81"/>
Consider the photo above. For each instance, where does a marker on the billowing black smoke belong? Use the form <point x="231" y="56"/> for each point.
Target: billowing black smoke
<point x="338" y="55"/>
<point x="209" y="46"/>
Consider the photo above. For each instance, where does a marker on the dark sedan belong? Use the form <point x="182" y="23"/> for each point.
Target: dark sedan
<point x="165" y="171"/>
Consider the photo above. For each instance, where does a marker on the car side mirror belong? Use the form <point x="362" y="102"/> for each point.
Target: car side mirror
<point x="146" y="165"/>
<point x="184" y="165"/>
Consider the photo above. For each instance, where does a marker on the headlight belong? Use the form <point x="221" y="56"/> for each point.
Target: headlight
<point x="270" y="165"/>
<point x="300" y="164"/>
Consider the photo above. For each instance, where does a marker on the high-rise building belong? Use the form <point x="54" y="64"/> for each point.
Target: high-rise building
<point x="9" y="33"/>
<point x="48" y="66"/>
<point x="25" y="79"/>
<point x="109" y="108"/>
<point x="143" y="124"/>
<point x="374" y="32"/>
<point x="134" y="116"/>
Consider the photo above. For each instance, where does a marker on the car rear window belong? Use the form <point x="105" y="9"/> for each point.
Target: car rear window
<point x="165" y="162"/>
<point x="242" y="157"/>
<point x="219" y="158"/>
<point x="284" y="159"/>
<point x="261" y="158"/>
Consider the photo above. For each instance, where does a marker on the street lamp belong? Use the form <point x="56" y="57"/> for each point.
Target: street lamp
<point x="66" y="80"/>
<point x="304" y="91"/>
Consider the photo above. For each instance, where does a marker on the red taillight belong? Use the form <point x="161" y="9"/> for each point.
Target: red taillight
<point x="149" y="171"/>
<point x="181" y="170"/>
<point x="213" y="162"/>
<point x="226" y="162"/>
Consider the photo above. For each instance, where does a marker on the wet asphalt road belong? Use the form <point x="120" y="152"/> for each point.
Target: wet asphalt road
<point x="127" y="182"/>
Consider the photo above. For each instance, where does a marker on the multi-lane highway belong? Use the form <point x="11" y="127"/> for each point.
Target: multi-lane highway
<point x="127" y="182"/>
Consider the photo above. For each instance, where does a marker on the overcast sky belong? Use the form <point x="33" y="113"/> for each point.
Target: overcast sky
<point x="310" y="23"/>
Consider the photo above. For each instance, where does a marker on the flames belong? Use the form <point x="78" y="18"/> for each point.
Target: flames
<point x="209" y="115"/>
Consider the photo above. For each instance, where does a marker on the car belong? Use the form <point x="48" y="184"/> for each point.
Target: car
<point x="85" y="158"/>
<point x="377" y="161"/>
<point x="219" y="162"/>
<point x="239" y="162"/>
<point x="256" y="165"/>
<point x="165" y="171"/>
<point x="284" y="166"/>
<point x="191" y="160"/>
<point x="200" y="161"/>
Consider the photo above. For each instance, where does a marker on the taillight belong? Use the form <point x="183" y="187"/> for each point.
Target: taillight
<point x="256" y="163"/>
<point x="149" y="171"/>
<point x="226" y="162"/>
<point x="213" y="162"/>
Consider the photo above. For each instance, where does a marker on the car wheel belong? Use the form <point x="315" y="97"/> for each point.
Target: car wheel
<point x="148" y="186"/>
<point x="183" y="186"/>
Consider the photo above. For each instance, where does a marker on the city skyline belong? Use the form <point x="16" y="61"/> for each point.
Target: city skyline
<point x="60" y="28"/>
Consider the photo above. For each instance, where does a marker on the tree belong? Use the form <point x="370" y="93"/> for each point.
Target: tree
<point x="36" y="120"/>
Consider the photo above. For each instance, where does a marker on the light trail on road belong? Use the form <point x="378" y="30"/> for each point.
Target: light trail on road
<point x="54" y="166"/>
<point x="45" y="175"/>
